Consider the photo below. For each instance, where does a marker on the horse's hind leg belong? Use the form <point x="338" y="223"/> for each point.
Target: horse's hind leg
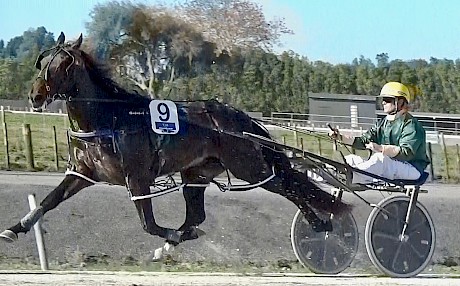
<point x="254" y="169"/>
<point x="67" y="188"/>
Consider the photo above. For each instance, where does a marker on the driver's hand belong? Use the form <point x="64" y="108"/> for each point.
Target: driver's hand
<point x="374" y="147"/>
<point x="335" y="134"/>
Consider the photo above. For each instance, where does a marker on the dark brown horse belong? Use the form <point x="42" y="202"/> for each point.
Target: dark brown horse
<point x="112" y="141"/>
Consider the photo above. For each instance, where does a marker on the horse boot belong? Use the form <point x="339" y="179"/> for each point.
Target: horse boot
<point x="172" y="239"/>
<point x="159" y="253"/>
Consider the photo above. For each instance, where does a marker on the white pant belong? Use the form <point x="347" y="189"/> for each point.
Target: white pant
<point x="382" y="166"/>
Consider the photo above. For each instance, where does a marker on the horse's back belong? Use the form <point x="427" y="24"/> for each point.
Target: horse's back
<point x="216" y="115"/>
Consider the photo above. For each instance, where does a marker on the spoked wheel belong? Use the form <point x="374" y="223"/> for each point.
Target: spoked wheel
<point x="328" y="252"/>
<point x="391" y="252"/>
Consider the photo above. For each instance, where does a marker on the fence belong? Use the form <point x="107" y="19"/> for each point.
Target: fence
<point x="446" y="127"/>
<point x="38" y="141"/>
<point x="33" y="141"/>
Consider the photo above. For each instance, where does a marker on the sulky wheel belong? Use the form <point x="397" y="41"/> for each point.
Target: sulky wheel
<point x="391" y="252"/>
<point x="328" y="252"/>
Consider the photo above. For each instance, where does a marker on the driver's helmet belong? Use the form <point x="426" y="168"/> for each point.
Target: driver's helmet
<point x="396" y="89"/>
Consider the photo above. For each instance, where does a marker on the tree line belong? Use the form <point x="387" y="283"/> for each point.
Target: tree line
<point x="223" y="49"/>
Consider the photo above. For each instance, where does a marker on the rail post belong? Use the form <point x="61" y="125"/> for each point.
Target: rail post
<point x="5" y="138"/>
<point x="458" y="160"/>
<point x="446" y="157"/>
<point x="28" y="145"/>
<point x="296" y="137"/>
<point x="430" y="155"/>
<point x="39" y="235"/>
<point x="56" y="153"/>
<point x="319" y="147"/>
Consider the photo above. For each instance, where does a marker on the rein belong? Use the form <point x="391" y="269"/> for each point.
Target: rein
<point x="88" y="99"/>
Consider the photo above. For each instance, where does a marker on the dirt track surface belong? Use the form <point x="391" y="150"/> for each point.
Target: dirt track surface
<point x="100" y="224"/>
<point x="204" y="279"/>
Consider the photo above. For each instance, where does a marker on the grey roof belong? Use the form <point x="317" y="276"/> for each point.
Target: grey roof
<point x="329" y="96"/>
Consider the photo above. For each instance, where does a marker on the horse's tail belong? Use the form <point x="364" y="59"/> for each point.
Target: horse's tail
<point x="315" y="195"/>
<point x="294" y="179"/>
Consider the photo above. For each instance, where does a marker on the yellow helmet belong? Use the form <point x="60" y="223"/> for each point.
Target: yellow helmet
<point x="396" y="89"/>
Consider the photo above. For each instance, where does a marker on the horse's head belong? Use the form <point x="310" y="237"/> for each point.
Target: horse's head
<point x="55" y="66"/>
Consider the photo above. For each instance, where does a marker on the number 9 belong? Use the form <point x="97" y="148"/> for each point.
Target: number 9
<point x="163" y="110"/>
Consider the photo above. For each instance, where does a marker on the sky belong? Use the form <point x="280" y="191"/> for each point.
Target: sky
<point x="335" y="31"/>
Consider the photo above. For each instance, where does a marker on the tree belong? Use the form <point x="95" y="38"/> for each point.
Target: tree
<point x="34" y="40"/>
<point x="155" y="45"/>
<point x="382" y="60"/>
<point x="2" y="48"/>
<point x="363" y="70"/>
<point x="232" y="24"/>
<point x="12" y="47"/>
<point x="109" y="24"/>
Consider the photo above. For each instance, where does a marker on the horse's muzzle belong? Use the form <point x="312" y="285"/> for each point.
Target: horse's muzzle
<point x="37" y="101"/>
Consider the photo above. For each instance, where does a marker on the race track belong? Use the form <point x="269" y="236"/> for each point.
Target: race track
<point x="242" y="228"/>
<point x="207" y="279"/>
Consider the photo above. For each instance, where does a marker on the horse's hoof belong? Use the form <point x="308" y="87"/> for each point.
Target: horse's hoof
<point x="192" y="233"/>
<point x="8" y="236"/>
<point x="199" y="232"/>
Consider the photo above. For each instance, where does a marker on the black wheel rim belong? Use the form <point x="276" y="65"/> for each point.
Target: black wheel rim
<point x="399" y="254"/>
<point x="326" y="252"/>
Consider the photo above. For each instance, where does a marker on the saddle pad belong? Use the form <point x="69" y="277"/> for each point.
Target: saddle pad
<point x="164" y="117"/>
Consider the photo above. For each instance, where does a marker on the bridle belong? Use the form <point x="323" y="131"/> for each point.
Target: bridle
<point x="43" y="74"/>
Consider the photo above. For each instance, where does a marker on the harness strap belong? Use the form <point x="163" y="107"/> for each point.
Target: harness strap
<point x="70" y="172"/>
<point x="245" y="186"/>
<point x="173" y="189"/>
<point x="167" y="191"/>
<point x="97" y="133"/>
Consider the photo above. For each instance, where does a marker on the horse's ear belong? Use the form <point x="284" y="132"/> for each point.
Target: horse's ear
<point x="61" y="39"/>
<point x="78" y="42"/>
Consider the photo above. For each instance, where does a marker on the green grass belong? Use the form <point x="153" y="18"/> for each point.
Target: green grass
<point x="42" y="139"/>
<point x="41" y="127"/>
<point x="78" y="261"/>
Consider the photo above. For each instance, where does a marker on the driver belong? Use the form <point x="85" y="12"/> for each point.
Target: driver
<point x="398" y="141"/>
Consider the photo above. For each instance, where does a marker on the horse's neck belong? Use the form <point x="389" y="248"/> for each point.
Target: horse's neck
<point x="89" y="115"/>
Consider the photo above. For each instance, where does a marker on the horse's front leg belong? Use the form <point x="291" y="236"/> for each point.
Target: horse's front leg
<point x="144" y="209"/>
<point x="139" y="187"/>
<point x="194" y="213"/>
<point x="67" y="188"/>
<point x="194" y="195"/>
<point x="172" y="237"/>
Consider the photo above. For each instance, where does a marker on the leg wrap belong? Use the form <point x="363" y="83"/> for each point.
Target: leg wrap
<point x="31" y="218"/>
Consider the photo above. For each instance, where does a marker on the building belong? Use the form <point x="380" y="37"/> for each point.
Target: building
<point x="344" y="110"/>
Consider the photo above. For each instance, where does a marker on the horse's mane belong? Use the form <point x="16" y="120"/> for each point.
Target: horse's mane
<point x="99" y="74"/>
